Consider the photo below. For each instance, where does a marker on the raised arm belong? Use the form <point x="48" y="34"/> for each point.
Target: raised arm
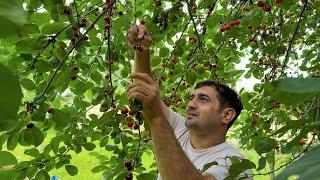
<point x="139" y="35"/>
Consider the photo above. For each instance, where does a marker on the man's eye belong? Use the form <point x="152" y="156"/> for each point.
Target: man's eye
<point x="203" y="99"/>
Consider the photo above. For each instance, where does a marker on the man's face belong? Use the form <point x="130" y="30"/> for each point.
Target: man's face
<point x="202" y="110"/>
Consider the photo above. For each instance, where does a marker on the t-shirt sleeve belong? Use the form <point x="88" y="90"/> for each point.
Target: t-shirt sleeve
<point x="177" y="123"/>
<point x="220" y="171"/>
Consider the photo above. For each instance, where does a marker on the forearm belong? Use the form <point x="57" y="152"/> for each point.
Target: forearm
<point x="142" y="62"/>
<point x="171" y="160"/>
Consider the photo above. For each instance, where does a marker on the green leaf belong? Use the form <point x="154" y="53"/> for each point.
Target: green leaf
<point x="208" y="165"/>
<point x="307" y="166"/>
<point x="155" y="61"/>
<point x="32" y="152"/>
<point x="164" y="52"/>
<point x="12" y="16"/>
<point x="11" y="96"/>
<point x="99" y="168"/>
<point x="89" y="146"/>
<point x="71" y="170"/>
<point x="191" y="77"/>
<point x="30" y="29"/>
<point x="286" y="97"/>
<point x="146" y="176"/>
<point x="43" y="66"/>
<point x="262" y="163"/>
<point x="61" y="118"/>
<point x="299" y="85"/>
<point x="6" y="158"/>
<point x="42" y="175"/>
<point x="33" y="136"/>
<point x="12" y="141"/>
<point x="52" y="28"/>
<point x="27" y="46"/>
<point x="27" y="84"/>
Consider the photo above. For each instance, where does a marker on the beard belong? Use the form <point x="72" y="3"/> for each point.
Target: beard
<point x="192" y="123"/>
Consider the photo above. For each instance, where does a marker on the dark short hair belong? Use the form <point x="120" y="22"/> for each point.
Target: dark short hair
<point x="227" y="97"/>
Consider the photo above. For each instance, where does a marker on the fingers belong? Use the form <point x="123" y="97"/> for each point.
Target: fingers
<point x="138" y="86"/>
<point x="137" y="95"/>
<point x="143" y="77"/>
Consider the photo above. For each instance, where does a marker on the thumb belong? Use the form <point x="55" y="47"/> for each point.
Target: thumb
<point x="141" y="33"/>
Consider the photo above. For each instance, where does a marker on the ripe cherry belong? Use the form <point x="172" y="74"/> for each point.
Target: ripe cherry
<point x="266" y="8"/>
<point x="124" y="111"/>
<point x="129" y="122"/>
<point x="30" y="125"/>
<point x="75" y="69"/>
<point x="158" y="3"/>
<point x="86" y="38"/>
<point x="107" y="26"/>
<point x="222" y="29"/>
<point x="50" y="110"/>
<point x="129" y="176"/>
<point x="106" y="19"/>
<point x="67" y="11"/>
<point x="128" y="164"/>
<point x="279" y="1"/>
<point x="227" y="27"/>
<point x="260" y="3"/>
<point x="136" y="126"/>
<point x="142" y="22"/>
<point x="301" y="142"/>
<point x="73" y="78"/>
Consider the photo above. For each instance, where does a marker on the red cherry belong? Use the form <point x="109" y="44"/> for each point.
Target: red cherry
<point x="30" y="125"/>
<point x="136" y="126"/>
<point x="260" y="3"/>
<point x="222" y="29"/>
<point x="266" y="8"/>
<point x="131" y="112"/>
<point x="279" y="1"/>
<point x="86" y="38"/>
<point x="301" y="142"/>
<point x="73" y="78"/>
<point x="67" y="11"/>
<point x="124" y="111"/>
<point x="129" y="122"/>
<point x="227" y="27"/>
<point x="107" y="26"/>
<point x="106" y="18"/>
<point x="50" y="110"/>
<point x="142" y="22"/>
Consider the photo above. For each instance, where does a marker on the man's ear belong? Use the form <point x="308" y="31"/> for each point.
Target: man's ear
<point x="227" y="115"/>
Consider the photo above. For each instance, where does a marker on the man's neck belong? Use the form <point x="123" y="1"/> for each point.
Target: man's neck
<point x="205" y="141"/>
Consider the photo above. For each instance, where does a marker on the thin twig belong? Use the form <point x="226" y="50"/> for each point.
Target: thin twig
<point x="68" y="53"/>
<point x="286" y="59"/>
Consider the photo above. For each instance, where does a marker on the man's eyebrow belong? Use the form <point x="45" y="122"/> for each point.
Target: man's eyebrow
<point x="205" y="95"/>
<point x="201" y="95"/>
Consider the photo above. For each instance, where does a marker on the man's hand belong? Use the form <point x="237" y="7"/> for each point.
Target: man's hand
<point x="139" y="35"/>
<point x="146" y="90"/>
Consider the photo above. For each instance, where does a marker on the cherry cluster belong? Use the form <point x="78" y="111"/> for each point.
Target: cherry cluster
<point x="229" y="26"/>
<point x="74" y="72"/>
<point x="129" y="120"/>
<point x="263" y="6"/>
<point x="129" y="167"/>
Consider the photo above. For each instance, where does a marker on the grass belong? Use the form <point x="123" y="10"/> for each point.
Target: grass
<point x="86" y="160"/>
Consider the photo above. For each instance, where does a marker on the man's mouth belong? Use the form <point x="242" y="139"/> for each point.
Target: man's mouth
<point x="192" y="114"/>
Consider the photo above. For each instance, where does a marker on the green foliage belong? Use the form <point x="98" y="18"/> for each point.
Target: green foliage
<point x="61" y="69"/>
<point x="306" y="167"/>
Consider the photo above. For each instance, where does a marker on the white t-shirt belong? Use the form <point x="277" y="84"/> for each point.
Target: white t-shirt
<point x="201" y="157"/>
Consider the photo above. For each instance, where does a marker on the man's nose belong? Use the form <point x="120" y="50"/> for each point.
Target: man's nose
<point x="191" y="105"/>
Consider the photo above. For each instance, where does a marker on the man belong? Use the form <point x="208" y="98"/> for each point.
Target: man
<point x="183" y="146"/>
